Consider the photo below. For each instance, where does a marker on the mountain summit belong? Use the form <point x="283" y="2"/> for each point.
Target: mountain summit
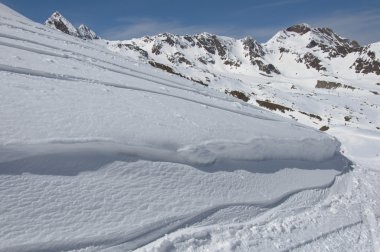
<point x="59" y="22"/>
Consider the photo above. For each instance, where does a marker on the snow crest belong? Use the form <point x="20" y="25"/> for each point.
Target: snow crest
<point x="306" y="149"/>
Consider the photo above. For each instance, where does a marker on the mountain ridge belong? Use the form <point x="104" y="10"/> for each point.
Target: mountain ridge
<point x="298" y="60"/>
<point x="314" y="48"/>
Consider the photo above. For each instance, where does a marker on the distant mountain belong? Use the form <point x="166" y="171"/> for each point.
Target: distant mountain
<point x="298" y="62"/>
<point x="297" y="51"/>
<point x="59" y="22"/>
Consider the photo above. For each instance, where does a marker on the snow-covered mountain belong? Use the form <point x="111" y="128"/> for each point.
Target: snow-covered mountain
<point x="299" y="60"/>
<point x="306" y="50"/>
<point x="122" y="149"/>
<point x="59" y="22"/>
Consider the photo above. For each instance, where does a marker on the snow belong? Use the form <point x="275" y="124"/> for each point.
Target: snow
<point x="99" y="151"/>
<point x="86" y="32"/>
<point x="55" y="18"/>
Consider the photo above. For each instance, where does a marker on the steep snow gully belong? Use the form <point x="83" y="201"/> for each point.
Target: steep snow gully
<point x="100" y="152"/>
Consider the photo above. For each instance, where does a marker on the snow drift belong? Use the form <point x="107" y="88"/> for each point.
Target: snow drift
<point x="98" y="150"/>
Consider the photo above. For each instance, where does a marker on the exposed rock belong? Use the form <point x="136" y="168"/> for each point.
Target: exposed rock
<point x="179" y="58"/>
<point x="237" y="94"/>
<point x="59" y="22"/>
<point x="324" y="128"/>
<point x="332" y="85"/>
<point x="255" y="54"/>
<point x="231" y="62"/>
<point x="335" y="45"/>
<point x="254" y="49"/>
<point x="299" y="28"/>
<point x="156" y="49"/>
<point x="347" y="118"/>
<point x="311" y="61"/>
<point x="367" y="63"/>
<point x="211" y="44"/>
<point x="273" y="106"/>
<point x="206" y="60"/>
<point x="168" y="39"/>
<point x="283" y="49"/>
<point x="312" y="44"/>
<point x="312" y="115"/>
<point x="162" y="67"/>
<point x="86" y="33"/>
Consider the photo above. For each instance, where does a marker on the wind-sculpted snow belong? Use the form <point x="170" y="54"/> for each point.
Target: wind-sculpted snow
<point x="102" y="152"/>
<point x="307" y="149"/>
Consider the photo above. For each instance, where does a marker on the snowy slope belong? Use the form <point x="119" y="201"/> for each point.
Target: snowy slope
<point x="102" y="151"/>
<point x="338" y="78"/>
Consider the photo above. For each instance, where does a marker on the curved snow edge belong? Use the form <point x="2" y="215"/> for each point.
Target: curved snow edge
<point x="205" y="153"/>
<point x="306" y="149"/>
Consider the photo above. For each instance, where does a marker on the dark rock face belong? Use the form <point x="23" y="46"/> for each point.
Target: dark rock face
<point x="331" y="85"/>
<point x="237" y="94"/>
<point x="326" y="40"/>
<point x="367" y="66"/>
<point x="311" y="61"/>
<point x="254" y="50"/>
<point x="168" y="39"/>
<point x="211" y="44"/>
<point x="299" y="28"/>
<point x="156" y="49"/>
<point x="283" y="49"/>
<point x="86" y="33"/>
<point x="268" y="69"/>
<point x="255" y="53"/>
<point x="273" y="106"/>
<point x="178" y="57"/>
<point x="58" y="22"/>
<point x="367" y="63"/>
<point x="206" y="60"/>
<point x="324" y="128"/>
<point x="312" y="44"/>
<point x="60" y="26"/>
<point x="235" y="63"/>
<point x="334" y="45"/>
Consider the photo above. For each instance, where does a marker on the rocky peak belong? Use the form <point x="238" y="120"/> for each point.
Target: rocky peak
<point x="299" y="28"/>
<point x="295" y="38"/>
<point x="333" y="44"/>
<point x="86" y="33"/>
<point x="253" y="48"/>
<point x="368" y="60"/>
<point x="211" y="43"/>
<point x="59" y="22"/>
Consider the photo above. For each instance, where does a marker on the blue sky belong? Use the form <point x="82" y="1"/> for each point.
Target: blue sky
<point x="124" y="19"/>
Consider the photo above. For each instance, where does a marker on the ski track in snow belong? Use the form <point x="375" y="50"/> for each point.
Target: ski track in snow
<point x="36" y="73"/>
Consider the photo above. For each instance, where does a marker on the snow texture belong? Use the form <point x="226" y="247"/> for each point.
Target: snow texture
<point x="100" y="151"/>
